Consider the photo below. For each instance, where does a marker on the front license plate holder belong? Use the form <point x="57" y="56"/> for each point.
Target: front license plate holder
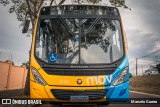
<point x="79" y="98"/>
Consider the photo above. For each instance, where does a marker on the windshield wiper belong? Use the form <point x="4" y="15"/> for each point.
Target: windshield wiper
<point x="93" y="24"/>
<point x="65" y="25"/>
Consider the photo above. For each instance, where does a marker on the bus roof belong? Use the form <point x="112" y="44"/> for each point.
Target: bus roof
<point x="79" y="9"/>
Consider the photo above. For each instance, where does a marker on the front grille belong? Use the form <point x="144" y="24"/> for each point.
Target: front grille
<point x="79" y="72"/>
<point x="92" y="94"/>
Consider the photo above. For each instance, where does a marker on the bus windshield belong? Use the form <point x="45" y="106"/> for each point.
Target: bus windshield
<point x="79" y="40"/>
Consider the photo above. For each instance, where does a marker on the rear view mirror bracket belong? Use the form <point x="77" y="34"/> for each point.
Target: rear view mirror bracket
<point x="26" y="24"/>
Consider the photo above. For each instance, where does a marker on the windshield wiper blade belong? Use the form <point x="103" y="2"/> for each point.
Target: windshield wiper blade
<point x="93" y="24"/>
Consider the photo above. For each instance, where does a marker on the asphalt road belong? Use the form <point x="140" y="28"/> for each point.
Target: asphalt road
<point x="137" y="95"/>
<point x="132" y="95"/>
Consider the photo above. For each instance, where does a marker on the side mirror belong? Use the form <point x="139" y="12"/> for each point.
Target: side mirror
<point x="26" y="26"/>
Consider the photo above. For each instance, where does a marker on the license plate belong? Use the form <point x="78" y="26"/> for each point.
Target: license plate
<point x="79" y="98"/>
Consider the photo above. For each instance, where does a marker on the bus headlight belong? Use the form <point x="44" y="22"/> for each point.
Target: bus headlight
<point x="121" y="78"/>
<point x="37" y="77"/>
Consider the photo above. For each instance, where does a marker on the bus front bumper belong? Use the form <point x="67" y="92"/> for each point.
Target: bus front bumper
<point x="45" y="93"/>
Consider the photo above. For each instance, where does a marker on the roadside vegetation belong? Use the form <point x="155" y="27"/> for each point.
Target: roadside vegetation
<point x="148" y="84"/>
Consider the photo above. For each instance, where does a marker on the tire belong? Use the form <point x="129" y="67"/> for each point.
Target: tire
<point x="27" y="84"/>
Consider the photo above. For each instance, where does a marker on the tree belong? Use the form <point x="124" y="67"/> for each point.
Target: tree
<point x="9" y="61"/>
<point x="158" y="68"/>
<point x="130" y="75"/>
<point x="26" y="64"/>
<point x="21" y="7"/>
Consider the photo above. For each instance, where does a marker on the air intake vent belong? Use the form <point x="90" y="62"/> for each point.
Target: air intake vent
<point x="92" y="94"/>
<point x="78" y="72"/>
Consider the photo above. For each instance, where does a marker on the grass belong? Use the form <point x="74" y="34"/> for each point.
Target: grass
<point x="148" y="84"/>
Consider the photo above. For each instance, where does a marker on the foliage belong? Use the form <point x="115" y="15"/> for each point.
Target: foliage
<point x="119" y="3"/>
<point x="158" y="67"/>
<point x="20" y="7"/>
<point x="10" y="61"/>
<point x="130" y="75"/>
<point x="26" y="64"/>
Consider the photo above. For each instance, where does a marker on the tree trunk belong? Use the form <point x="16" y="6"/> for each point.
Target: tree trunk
<point x="30" y="15"/>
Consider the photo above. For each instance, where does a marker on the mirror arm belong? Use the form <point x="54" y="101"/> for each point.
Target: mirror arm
<point x="31" y="13"/>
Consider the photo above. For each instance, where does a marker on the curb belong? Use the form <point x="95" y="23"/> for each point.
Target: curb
<point x="145" y="93"/>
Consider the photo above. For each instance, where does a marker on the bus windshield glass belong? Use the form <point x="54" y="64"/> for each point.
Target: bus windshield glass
<point x="79" y="40"/>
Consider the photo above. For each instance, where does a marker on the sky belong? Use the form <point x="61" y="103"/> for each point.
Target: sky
<point x="13" y="44"/>
<point x="141" y="24"/>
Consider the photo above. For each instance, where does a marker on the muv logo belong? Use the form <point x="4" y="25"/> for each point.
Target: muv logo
<point x="99" y="80"/>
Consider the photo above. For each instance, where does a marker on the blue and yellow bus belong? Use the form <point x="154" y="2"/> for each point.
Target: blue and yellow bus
<point x="79" y="54"/>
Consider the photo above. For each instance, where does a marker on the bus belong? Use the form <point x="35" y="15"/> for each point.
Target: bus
<point x="78" y="55"/>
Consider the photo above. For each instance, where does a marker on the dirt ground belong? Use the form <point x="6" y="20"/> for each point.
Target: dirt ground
<point x="12" y="93"/>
